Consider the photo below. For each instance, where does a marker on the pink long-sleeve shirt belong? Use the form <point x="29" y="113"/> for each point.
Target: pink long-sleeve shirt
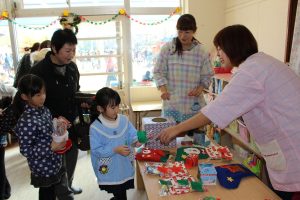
<point x="266" y="93"/>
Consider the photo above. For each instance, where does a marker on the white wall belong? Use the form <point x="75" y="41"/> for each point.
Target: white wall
<point x="141" y="93"/>
<point x="267" y="20"/>
<point x="210" y="19"/>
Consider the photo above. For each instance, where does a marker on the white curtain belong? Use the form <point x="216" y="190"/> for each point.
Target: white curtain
<point x="295" y="52"/>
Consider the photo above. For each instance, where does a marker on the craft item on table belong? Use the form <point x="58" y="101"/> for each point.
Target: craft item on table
<point x="166" y="170"/>
<point x="253" y="163"/>
<point x="154" y="155"/>
<point x="179" y="180"/>
<point x="153" y="126"/>
<point x="152" y="168"/>
<point x="219" y="152"/>
<point x="230" y="175"/>
<point x="180" y="185"/>
<point x="183" y="152"/>
<point x="207" y="173"/>
<point x="187" y="143"/>
<point x="144" y="137"/>
<point x="191" y="161"/>
<point x="199" y="138"/>
<point x="211" y="198"/>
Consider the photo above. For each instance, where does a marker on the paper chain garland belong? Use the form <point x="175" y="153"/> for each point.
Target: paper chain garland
<point x="67" y="14"/>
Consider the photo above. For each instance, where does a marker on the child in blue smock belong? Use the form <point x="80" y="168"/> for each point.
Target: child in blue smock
<point x="112" y="137"/>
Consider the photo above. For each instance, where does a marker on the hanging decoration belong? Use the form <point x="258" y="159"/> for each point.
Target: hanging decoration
<point x="4" y="15"/>
<point x="33" y="27"/>
<point x="123" y="12"/>
<point x="70" y="20"/>
<point x="101" y="22"/>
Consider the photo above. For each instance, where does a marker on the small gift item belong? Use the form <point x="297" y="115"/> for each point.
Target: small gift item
<point x="191" y="161"/>
<point x="190" y="153"/>
<point x="60" y="126"/>
<point x="60" y="133"/>
<point x="152" y="127"/>
<point x="154" y="155"/>
<point x="176" y="179"/>
<point x="230" y="176"/>
<point x="66" y="148"/>
<point x="211" y="198"/>
<point x="207" y="173"/>
<point x="219" y="152"/>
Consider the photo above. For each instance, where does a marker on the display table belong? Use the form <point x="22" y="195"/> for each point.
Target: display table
<point x="250" y="187"/>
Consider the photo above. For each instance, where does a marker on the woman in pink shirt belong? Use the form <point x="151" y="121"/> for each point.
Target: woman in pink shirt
<point x="266" y="93"/>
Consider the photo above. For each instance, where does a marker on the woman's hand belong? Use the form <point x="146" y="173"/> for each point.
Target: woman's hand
<point x="122" y="150"/>
<point x="55" y="146"/>
<point x="165" y="96"/>
<point x="196" y="91"/>
<point x="166" y="135"/>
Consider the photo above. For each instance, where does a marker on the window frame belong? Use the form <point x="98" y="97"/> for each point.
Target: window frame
<point x="97" y="10"/>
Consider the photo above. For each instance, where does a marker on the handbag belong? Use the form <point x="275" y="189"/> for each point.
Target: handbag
<point x="83" y="122"/>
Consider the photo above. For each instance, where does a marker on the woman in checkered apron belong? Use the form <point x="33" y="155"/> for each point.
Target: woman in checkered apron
<point x="182" y="71"/>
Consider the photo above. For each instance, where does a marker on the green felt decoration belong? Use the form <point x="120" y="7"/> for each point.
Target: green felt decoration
<point x="197" y="186"/>
<point x="142" y="136"/>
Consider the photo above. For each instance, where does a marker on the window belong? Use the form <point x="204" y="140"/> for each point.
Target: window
<point x="146" y="45"/>
<point x="26" y="26"/>
<point x="36" y="4"/>
<point x="98" y="56"/>
<point x="6" y="62"/>
<point x="154" y="3"/>
<point x="103" y="56"/>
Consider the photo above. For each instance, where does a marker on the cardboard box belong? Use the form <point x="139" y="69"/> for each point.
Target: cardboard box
<point x="207" y="173"/>
<point x="153" y="126"/>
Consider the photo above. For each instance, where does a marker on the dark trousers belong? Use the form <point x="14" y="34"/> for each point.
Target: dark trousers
<point x="4" y="184"/>
<point x="282" y="194"/>
<point x="60" y="191"/>
<point x="70" y="161"/>
<point x="121" y="195"/>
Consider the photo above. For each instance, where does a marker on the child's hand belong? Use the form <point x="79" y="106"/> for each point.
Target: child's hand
<point x="122" y="150"/>
<point x="138" y="144"/>
<point x="55" y="146"/>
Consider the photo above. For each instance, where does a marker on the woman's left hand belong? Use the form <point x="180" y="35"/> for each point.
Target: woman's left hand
<point x="196" y="91"/>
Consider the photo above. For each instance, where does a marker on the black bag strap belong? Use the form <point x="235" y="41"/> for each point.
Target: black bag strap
<point x="80" y="113"/>
<point x="83" y="98"/>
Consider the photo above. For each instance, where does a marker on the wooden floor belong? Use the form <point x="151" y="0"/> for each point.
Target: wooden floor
<point x="19" y="178"/>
